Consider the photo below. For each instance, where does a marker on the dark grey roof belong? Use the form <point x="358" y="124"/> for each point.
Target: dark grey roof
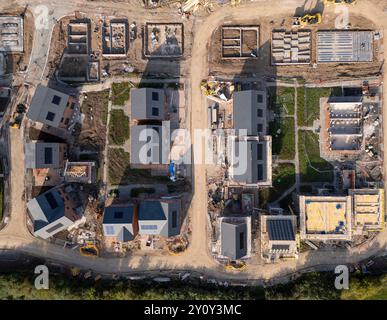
<point x="233" y="240"/>
<point x="42" y="155"/>
<point x="280" y="229"/>
<point x="348" y="99"/>
<point x="160" y="214"/>
<point x="118" y="215"/>
<point x="151" y="210"/>
<point x="43" y="109"/>
<point x="117" y="222"/>
<point x="124" y="235"/>
<point x="46" y="208"/>
<point x="256" y="162"/>
<point x="245" y="111"/>
<point x="143" y="100"/>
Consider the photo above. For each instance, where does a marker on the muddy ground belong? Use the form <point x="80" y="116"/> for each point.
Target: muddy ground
<point x="135" y="55"/>
<point x="92" y="132"/>
<point x="19" y="61"/>
<point x="261" y="66"/>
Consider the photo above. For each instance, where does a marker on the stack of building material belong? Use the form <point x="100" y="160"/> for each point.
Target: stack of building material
<point x="290" y="47"/>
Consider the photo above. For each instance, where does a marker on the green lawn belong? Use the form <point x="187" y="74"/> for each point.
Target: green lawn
<point x="120" y="172"/>
<point x="309" y="148"/>
<point x="308" y="103"/>
<point x="284" y="142"/>
<point x="366" y="288"/>
<point x="118" y="127"/>
<point x="120" y="93"/>
<point x="281" y="100"/>
<point x="283" y="178"/>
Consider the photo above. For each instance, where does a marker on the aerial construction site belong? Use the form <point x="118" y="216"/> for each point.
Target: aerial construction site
<point x="198" y="135"/>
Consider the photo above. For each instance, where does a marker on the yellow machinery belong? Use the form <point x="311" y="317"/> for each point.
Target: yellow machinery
<point x="340" y="2"/>
<point x="307" y="19"/>
<point x="236" y="265"/>
<point x="89" y="250"/>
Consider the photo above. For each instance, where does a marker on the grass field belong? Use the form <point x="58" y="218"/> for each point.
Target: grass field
<point x="120" y="172"/>
<point x="309" y="149"/>
<point x="284" y="142"/>
<point x="120" y="93"/>
<point x="284" y="177"/>
<point x="366" y="288"/>
<point x="118" y="127"/>
<point x="312" y="286"/>
<point x="281" y="100"/>
<point x="308" y="103"/>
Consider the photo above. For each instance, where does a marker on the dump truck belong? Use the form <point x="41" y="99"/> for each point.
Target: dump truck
<point x="307" y="19"/>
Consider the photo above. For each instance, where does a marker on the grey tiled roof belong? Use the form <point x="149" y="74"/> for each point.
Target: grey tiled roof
<point x="42" y="104"/>
<point x="142" y="101"/>
<point x="42" y="155"/>
<point x="46" y="208"/>
<point x="231" y="236"/>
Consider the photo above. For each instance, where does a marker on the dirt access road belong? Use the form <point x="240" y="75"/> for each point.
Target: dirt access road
<point x="15" y="236"/>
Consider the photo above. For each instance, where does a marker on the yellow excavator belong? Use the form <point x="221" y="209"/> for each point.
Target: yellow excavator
<point x="307" y="20"/>
<point x="235" y="265"/>
<point x="89" y="250"/>
<point x="327" y="3"/>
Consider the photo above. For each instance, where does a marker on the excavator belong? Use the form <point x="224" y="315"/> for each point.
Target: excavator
<point x="307" y="19"/>
<point x="235" y="265"/>
<point x="339" y="2"/>
<point x="89" y="250"/>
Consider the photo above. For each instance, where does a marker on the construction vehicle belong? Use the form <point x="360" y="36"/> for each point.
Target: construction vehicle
<point x="17" y="120"/>
<point x="18" y="116"/>
<point x="307" y="19"/>
<point x="89" y="250"/>
<point x="236" y="265"/>
<point x="327" y="3"/>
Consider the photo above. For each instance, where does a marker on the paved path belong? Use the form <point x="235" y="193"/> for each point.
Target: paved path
<point x="15" y="235"/>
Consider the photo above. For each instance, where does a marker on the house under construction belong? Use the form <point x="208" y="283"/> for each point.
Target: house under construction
<point x="291" y="47"/>
<point x="115" y="38"/>
<point x="81" y="172"/>
<point x="11" y="34"/>
<point x="240" y="42"/>
<point x="368" y="210"/>
<point x="344" y="46"/>
<point x="325" y="218"/>
<point x="278" y="237"/>
<point x="342" y="125"/>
